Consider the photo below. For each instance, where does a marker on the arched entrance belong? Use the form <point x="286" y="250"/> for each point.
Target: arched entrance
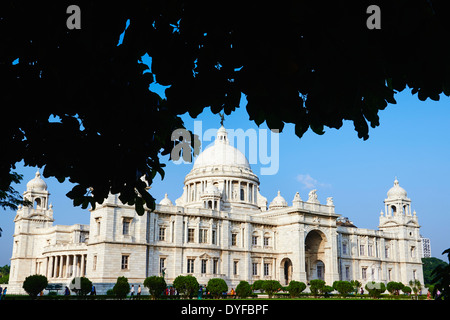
<point x="315" y="255"/>
<point x="286" y="271"/>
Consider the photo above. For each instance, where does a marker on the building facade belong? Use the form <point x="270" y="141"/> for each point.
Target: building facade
<point x="222" y="227"/>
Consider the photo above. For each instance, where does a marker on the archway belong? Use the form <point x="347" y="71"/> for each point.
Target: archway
<point x="286" y="270"/>
<point x="315" y="255"/>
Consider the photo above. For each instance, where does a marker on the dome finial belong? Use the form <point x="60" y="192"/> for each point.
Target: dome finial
<point x="222" y="118"/>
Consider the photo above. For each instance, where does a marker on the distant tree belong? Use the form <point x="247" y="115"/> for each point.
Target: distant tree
<point x="186" y="285"/>
<point x="441" y="278"/>
<point x="34" y="284"/>
<point x="121" y="288"/>
<point x="270" y="287"/>
<point x="429" y="264"/>
<point x="243" y="289"/>
<point x="156" y="286"/>
<point x="295" y="288"/>
<point x="217" y="286"/>
<point x="343" y="287"/>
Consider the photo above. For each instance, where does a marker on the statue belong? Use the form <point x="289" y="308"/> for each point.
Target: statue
<point x="312" y="196"/>
<point x="222" y="118"/>
<point x="330" y="201"/>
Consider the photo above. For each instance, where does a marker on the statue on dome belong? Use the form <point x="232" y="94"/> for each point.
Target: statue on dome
<point x="222" y="118"/>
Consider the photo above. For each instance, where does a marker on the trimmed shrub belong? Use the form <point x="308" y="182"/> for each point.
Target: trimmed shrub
<point x="121" y="288"/>
<point x="243" y="289"/>
<point x="186" y="285"/>
<point x="217" y="287"/>
<point x="35" y="284"/>
<point x="156" y="286"/>
<point x="295" y="288"/>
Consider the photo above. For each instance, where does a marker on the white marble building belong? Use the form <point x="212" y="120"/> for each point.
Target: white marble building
<point x="221" y="226"/>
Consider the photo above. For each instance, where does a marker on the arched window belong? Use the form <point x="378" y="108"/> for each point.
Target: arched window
<point x="242" y="194"/>
<point x="37" y="203"/>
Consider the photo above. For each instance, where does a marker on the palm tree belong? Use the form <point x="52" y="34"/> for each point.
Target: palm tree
<point x="441" y="276"/>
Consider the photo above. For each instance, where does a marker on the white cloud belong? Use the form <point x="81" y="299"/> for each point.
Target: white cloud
<point x="309" y="182"/>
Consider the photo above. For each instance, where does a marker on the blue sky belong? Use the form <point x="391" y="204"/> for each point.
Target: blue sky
<point x="412" y="143"/>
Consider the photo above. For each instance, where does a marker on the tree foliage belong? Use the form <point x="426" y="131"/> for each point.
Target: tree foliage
<point x="375" y="288"/>
<point x="441" y="278"/>
<point x="295" y="288"/>
<point x="316" y="286"/>
<point x="34" y="284"/>
<point x="217" y="286"/>
<point x="394" y="287"/>
<point x="121" y="288"/>
<point x="79" y="104"/>
<point x="83" y="286"/>
<point x="429" y="265"/>
<point x="186" y="285"/>
<point x="243" y="289"/>
<point x="343" y="287"/>
<point x="156" y="286"/>
<point x="271" y="286"/>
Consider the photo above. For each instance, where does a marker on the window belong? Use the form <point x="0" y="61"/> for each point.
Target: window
<point x="242" y="194"/>
<point x="162" y="234"/>
<point x="204" y="262"/>
<point x="190" y="266"/>
<point x="361" y="250"/>
<point x="390" y="274"/>
<point x="235" y="267"/>
<point x="125" y="259"/>
<point x="214" y="241"/>
<point x="203" y="236"/>
<point x="254" y="268"/>
<point x="97" y="222"/>
<point x="413" y="251"/>
<point x="255" y="240"/>
<point x="126" y="226"/>
<point x="344" y="248"/>
<point x="94" y="263"/>
<point x="266" y="241"/>
<point x="191" y="232"/>
<point x="386" y="251"/>
<point x="347" y="272"/>
<point x="234" y="239"/>
<point x="162" y="263"/>
<point x="266" y="269"/>
<point x="215" y="266"/>
<point x="414" y="275"/>
<point x="364" y="273"/>
<point x="369" y="250"/>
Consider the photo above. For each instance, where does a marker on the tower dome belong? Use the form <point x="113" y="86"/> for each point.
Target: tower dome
<point x="166" y="201"/>
<point x="37" y="184"/>
<point x="278" y="202"/>
<point x="396" y="192"/>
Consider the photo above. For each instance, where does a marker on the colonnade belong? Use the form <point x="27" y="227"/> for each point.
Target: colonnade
<point x="66" y="266"/>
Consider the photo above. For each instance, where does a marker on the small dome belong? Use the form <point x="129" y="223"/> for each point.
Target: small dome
<point x="166" y="201"/>
<point x="211" y="190"/>
<point x="278" y="202"/>
<point x="396" y="192"/>
<point x="37" y="184"/>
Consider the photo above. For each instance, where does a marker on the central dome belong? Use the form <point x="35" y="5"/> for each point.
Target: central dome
<point x="221" y="154"/>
